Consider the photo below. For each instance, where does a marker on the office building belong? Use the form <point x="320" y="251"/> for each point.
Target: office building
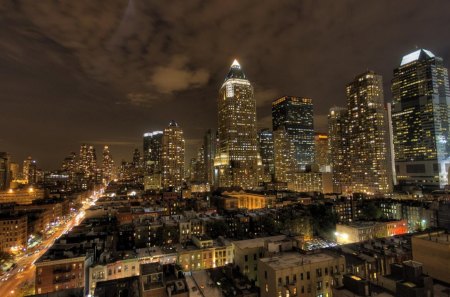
<point x="172" y="158"/>
<point x="368" y="147"/>
<point x="338" y="147"/>
<point x="210" y="146"/>
<point x="152" y="151"/>
<point x="322" y="155"/>
<point x="285" y="162"/>
<point x="295" y="114"/>
<point x="107" y="165"/>
<point x="420" y="118"/>
<point x="266" y="151"/>
<point x="236" y="162"/>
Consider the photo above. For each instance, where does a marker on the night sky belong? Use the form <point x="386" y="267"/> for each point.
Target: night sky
<point x="105" y="72"/>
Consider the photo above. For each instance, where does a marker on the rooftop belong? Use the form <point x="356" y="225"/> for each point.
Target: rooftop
<point x="416" y="55"/>
<point x="437" y="237"/>
<point x="235" y="71"/>
<point x="256" y="242"/>
<point x="291" y="260"/>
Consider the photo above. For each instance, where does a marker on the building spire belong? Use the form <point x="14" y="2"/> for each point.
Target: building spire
<point x="235" y="71"/>
<point x="235" y="64"/>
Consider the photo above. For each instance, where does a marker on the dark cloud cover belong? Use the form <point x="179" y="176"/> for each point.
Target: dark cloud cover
<point x="107" y="71"/>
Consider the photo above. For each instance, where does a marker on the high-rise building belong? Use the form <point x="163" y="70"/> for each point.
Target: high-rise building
<point x="210" y="146"/>
<point x="266" y="151"/>
<point x="69" y="165"/>
<point x="172" y="159"/>
<point x="136" y="158"/>
<point x="322" y="154"/>
<point x="338" y="147"/>
<point x="5" y="177"/>
<point x="198" y="172"/>
<point x="295" y="114"/>
<point x="285" y="162"/>
<point x="14" y="169"/>
<point x="87" y="162"/>
<point x="420" y="118"/>
<point x="236" y="162"/>
<point x="368" y="147"/>
<point x="152" y="151"/>
<point x="107" y="164"/>
<point x="29" y="170"/>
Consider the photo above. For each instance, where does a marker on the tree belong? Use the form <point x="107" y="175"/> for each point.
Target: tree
<point x="371" y="211"/>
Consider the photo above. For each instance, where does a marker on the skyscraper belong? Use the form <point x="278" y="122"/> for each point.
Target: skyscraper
<point x="5" y="177"/>
<point x="107" y="164"/>
<point x="295" y="114"/>
<point x="420" y="118"/>
<point x="172" y="159"/>
<point x="210" y="145"/>
<point x="136" y="159"/>
<point x="87" y="162"/>
<point x="338" y="147"/>
<point x="266" y="151"/>
<point x="236" y="162"/>
<point x="29" y="170"/>
<point x="198" y="169"/>
<point x="322" y="155"/>
<point x="368" y="147"/>
<point x="152" y="151"/>
<point x="284" y="156"/>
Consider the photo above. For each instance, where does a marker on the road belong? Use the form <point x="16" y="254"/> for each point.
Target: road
<point x="23" y="273"/>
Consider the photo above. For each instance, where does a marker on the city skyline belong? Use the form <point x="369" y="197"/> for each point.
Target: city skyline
<point x="92" y="93"/>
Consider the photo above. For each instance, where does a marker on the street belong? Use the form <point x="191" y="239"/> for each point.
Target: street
<point x="22" y="275"/>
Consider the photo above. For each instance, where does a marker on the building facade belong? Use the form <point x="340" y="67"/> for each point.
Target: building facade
<point x="338" y="147"/>
<point x="13" y="233"/>
<point x="368" y="147"/>
<point x="293" y="274"/>
<point x="4" y="171"/>
<point x="172" y="159"/>
<point x="285" y="162"/>
<point x="322" y="153"/>
<point x="107" y="165"/>
<point x="421" y="101"/>
<point x="210" y="146"/>
<point x="295" y="114"/>
<point x="237" y="161"/>
<point x="266" y="151"/>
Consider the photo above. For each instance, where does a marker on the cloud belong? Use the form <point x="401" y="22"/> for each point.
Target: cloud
<point x="176" y="76"/>
<point x="73" y="61"/>
<point x="265" y="96"/>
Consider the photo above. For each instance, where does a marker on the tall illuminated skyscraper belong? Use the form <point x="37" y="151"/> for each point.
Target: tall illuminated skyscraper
<point x="368" y="147"/>
<point x="284" y="156"/>
<point x="266" y="151"/>
<point x="295" y="114"/>
<point x="322" y="153"/>
<point x="210" y="145"/>
<point x="172" y="159"/>
<point x="87" y="162"/>
<point x="338" y="147"/>
<point x="107" y="164"/>
<point x="237" y="160"/>
<point x="420" y="119"/>
<point x="29" y="170"/>
<point x="152" y="151"/>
